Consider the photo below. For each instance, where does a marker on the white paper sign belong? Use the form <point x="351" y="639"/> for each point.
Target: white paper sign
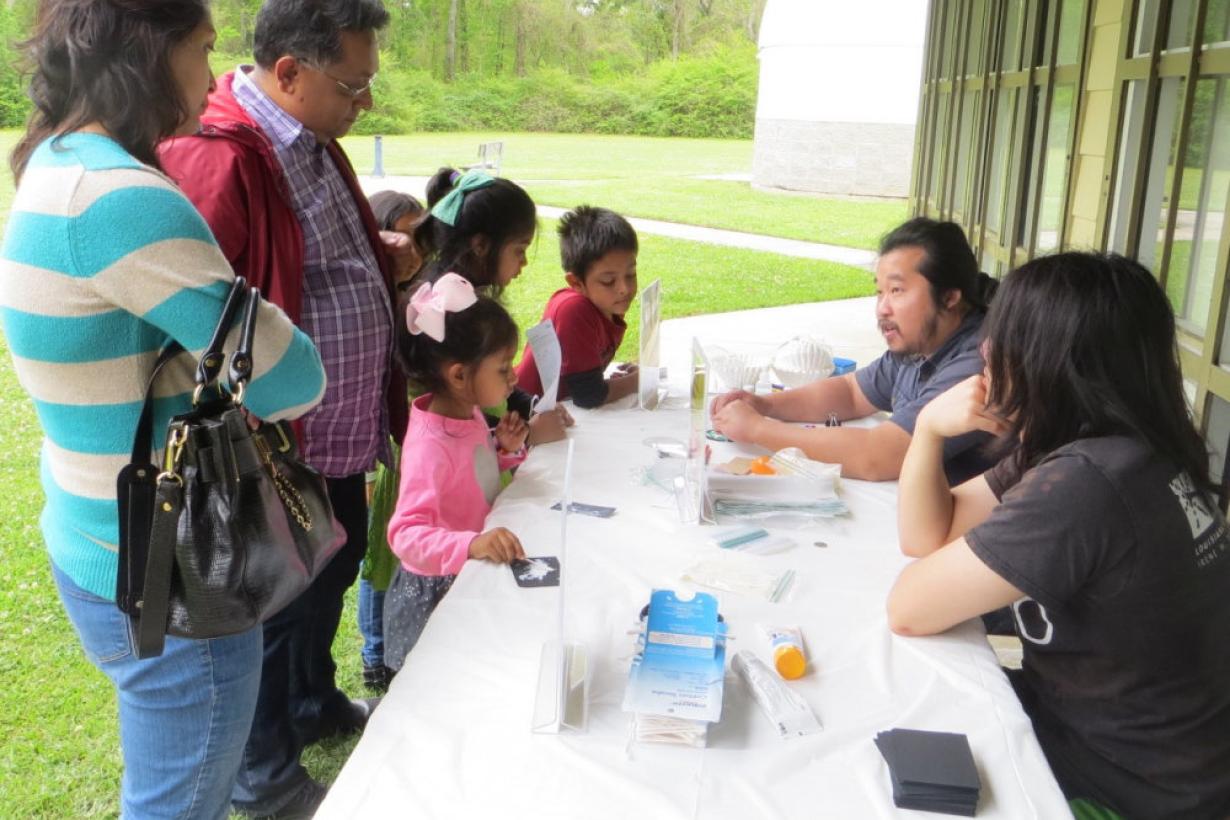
<point x="547" y="358"/>
<point x="651" y="345"/>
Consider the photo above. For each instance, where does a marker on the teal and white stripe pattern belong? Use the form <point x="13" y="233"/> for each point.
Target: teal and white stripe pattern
<point x="103" y="262"/>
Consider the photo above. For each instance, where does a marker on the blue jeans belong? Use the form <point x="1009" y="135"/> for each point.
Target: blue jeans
<point x="184" y="716"/>
<point x="371" y="624"/>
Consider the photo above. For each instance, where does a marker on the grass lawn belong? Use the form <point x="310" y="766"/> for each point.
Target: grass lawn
<point x="734" y="206"/>
<point x="648" y="177"/>
<point x="60" y="756"/>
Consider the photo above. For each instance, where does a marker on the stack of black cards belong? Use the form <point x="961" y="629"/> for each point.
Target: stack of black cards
<point x="931" y="771"/>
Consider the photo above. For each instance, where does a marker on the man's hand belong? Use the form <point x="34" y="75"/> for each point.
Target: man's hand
<point x="960" y="409"/>
<point x="737" y="420"/>
<point x="511" y="432"/>
<point x="753" y="401"/>
<point x="498" y="545"/>
<point x="403" y="253"/>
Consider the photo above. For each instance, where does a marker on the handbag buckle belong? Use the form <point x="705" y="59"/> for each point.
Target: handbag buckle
<point x="176" y="440"/>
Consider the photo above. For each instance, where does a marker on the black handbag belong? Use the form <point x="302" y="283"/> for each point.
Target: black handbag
<point x="233" y="527"/>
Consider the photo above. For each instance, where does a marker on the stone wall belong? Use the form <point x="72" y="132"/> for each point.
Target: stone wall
<point x="849" y="159"/>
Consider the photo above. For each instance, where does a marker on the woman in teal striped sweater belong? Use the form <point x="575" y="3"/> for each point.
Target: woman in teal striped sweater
<point x="104" y="261"/>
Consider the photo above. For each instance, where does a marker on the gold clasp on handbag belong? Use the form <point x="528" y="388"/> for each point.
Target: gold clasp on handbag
<point x="292" y="499"/>
<point x="174" y="454"/>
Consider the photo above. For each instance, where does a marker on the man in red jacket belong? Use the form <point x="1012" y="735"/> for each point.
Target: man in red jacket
<point x="284" y="203"/>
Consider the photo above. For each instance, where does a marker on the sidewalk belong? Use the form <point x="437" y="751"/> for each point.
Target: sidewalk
<point x="855" y="257"/>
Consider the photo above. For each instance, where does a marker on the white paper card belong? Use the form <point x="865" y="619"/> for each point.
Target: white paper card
<point x="547" y="357"/>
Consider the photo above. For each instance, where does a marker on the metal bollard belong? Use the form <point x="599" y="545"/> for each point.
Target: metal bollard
<point x="378" y="170"/>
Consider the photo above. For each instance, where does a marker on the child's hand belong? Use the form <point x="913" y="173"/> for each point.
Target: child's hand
<point x="498" y="545"/>
<point x="549" y="426"/>
<point x="511" y="432"/>
<point x="625" y="369"/>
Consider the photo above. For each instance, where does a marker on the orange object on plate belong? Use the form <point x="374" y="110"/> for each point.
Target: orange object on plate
<point x="760" y="466"/>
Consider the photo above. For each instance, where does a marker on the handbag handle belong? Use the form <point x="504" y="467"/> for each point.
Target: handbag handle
<point x="239" y="371"/>
<point x="210" y="365"/>
<point x="206" y="371"/>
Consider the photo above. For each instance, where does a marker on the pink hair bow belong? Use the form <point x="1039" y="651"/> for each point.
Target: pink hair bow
<point x="451" y="293"/>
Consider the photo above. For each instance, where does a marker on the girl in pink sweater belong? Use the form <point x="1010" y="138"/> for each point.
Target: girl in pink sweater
<point x="458" y="347"/>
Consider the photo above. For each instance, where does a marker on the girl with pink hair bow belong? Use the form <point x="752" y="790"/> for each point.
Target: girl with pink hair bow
<point x="458" y="348"/>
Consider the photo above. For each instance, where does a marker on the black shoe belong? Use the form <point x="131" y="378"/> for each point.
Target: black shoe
<point x="377" y="678"/>
<point x="301" y="806"/>
<point x="347" y="719"/>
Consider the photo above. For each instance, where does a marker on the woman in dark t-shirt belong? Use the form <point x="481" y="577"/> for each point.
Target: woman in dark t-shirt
<point x="1101" y="531"/>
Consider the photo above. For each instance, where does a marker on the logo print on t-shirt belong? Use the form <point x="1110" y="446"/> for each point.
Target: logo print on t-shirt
<point x="1194" y="505"/>
<point x="1032" y="622"/>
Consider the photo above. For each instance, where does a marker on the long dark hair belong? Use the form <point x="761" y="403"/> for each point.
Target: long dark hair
<point x="1082" y="345"/>
<point x="948" y="260"/>
<point x="470" y="336"/>
<point x="106" y="61"/>
<point x="500" y="212"/>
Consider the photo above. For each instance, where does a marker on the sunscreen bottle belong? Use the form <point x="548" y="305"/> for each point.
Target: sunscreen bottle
<point x="788" y="657"/>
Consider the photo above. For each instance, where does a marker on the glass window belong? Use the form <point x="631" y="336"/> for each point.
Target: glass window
<point x="1217" y="22"/>
<point x="938" y="162"/>
<point x="966" y="153"/>
<point x="1042" y="34"/>
<point x="1129" y="150"/>
<point x="976" y="38"/>
<point x="1055" y="168"/>
<point x="1202" y="202"/>
<point x="1033" y="149"/>
<point x="1182" y="19"/>
<point x="1013" y="22"/>
<point x="1071" y="31"/>
<point x="1146" y="24"/>
<point x="1001" y="148"/>
<point x="1162" y="158"/>
<point x="1216" y="436"/>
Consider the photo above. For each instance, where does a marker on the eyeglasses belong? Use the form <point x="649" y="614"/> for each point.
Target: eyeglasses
<point x="354" y="92"/>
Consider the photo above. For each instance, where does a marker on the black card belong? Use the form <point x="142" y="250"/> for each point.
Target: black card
<point x="587" y="509"/>
<point x="541" y="571"/>
<point x="933" y="759"/>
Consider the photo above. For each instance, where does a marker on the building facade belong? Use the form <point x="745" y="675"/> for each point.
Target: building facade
<point x="1050" y="125"/>
<point x="838" y="96"/>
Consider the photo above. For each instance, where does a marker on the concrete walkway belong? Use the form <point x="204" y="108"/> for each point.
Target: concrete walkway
<point x="855" y="257"/>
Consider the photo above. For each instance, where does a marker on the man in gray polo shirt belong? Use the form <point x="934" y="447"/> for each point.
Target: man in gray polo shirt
<point x="930" y="303"/>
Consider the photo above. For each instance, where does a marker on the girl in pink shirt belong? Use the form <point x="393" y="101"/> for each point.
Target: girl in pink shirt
<point x="458" y="347"/>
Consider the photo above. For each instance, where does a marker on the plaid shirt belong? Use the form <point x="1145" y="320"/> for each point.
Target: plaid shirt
<point x="346" y="309"/>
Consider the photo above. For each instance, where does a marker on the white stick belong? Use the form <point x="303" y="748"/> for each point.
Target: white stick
<point x="565" y="507"/>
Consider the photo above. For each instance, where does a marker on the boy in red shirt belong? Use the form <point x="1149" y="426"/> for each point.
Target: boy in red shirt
<point x="598" y="251"/>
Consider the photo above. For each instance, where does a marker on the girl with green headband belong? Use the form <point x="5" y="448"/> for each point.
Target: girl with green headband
<point x="480" y="227"/>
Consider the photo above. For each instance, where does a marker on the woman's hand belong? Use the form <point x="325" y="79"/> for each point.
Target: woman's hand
<point x="550" y="426"/>
<point x="511" y="432"/>
<point x="498" y="545"/>
<point x="960" y="409"/>
<point x="737" y="420"/>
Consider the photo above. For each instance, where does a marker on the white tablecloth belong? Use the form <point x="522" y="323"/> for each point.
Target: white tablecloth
<point x="452" y="738"/>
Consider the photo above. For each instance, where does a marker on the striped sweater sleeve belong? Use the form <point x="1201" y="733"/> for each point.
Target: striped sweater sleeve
<point x="103" y="261"/>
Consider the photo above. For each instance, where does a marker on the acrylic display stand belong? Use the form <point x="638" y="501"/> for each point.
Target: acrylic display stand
<point x="648" y="375"/>
<point x="561" y="701"/>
